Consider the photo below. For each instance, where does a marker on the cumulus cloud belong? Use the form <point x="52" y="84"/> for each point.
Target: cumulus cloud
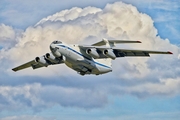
<point x="71" y="14"/>
<point x="135" y="76"/>
<point x="38" y="97"/>
<point x="18" y="13"/>
<point x="8" y="36"/>
<point x="166" y="87"/>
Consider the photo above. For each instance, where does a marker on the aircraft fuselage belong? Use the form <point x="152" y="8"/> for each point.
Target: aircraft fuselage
<point x="83" y="64"/>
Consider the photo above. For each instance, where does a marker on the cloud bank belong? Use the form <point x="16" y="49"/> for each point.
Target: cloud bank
<point x="158" y="75"/>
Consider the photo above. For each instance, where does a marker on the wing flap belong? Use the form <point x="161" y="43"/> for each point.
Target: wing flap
<point x="131" y="53"/>
<point x="36" y="66"/>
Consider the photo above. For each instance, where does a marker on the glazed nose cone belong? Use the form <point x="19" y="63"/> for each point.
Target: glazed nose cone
<point x="52" y="46"/>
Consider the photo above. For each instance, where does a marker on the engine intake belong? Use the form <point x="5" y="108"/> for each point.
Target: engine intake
<point x="109" y="53"/>
<point x="92" y="52"/>
<point x="51" y="58"/>
<point x="41" y="61"/>
<point x="57" y="53"/>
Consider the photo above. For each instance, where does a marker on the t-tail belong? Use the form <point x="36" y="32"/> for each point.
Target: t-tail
<point x="111" y="44"/>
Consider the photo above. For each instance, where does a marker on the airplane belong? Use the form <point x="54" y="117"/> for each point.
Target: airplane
<point x="94" y="59"/>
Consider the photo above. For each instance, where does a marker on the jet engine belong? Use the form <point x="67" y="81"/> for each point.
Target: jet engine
<point x="109" y="53"/>
<point x="92" y="52"/>
<point x="56" y="53"/>
<point x="51" y="58"/>
<point x="41" y="61"/>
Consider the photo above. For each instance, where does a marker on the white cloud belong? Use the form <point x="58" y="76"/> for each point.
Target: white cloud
<point x="166" y="87"/>
<point x="38" y="97"/>
<point x="140" y="76"/>
<point x="7" y="32"/>
<point x="18" y="13"/>
<point x="26" y="117"/>
<point x="71" y="14"/>
<point x="8" y="36"/>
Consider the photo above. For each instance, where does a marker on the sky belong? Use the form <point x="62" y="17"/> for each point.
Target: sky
<point x="138" y="88"/>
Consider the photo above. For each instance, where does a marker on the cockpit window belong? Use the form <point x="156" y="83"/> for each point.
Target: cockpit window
<point x="57" y="42"/>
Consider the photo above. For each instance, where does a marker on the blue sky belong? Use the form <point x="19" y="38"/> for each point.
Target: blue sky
<point x="163" y="12"/>
<point x="107" y="97"/>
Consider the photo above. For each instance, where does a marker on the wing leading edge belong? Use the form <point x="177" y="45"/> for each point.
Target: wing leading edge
<point x="109" y="50"/>
<point x="32" y="64"/>
<point x="35" y="64"/>
<point x="118" y="52"/>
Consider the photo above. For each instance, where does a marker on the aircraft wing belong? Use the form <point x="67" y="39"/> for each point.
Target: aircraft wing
<point x="36" y="65"/>
<point x="32" y="64"/>
<point x="133" y="53"/>
<point x="118" y="52"/>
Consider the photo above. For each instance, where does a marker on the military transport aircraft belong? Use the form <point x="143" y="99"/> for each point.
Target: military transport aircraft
<point x="86" y="59"/>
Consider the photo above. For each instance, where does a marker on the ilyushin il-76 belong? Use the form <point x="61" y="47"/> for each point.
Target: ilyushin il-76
<point x="86" y="59"/>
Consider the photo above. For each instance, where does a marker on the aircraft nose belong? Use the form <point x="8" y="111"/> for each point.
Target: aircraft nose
<point x="52" y="46"/>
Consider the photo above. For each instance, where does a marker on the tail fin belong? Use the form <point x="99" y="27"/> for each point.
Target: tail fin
<point x="111" y="43"/>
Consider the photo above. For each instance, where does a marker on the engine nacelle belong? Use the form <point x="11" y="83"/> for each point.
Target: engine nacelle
<point x="109" y="53"/>
<point x="51" y="58"/>
<point x="92" y="52"/>
<point x="41" y="61"/>
<point x="57" y="53"/>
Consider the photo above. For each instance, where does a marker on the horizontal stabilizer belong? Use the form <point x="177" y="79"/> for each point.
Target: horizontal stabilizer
<point x="112" y="42"/>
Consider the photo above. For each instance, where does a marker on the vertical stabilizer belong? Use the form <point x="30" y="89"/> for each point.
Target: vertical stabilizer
<point x="111" y="43"/>
<point x="108" y="44"/>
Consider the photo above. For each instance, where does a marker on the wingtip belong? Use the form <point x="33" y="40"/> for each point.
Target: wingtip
<point x="170" y="52"/>
<point x="14" y="70"/>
